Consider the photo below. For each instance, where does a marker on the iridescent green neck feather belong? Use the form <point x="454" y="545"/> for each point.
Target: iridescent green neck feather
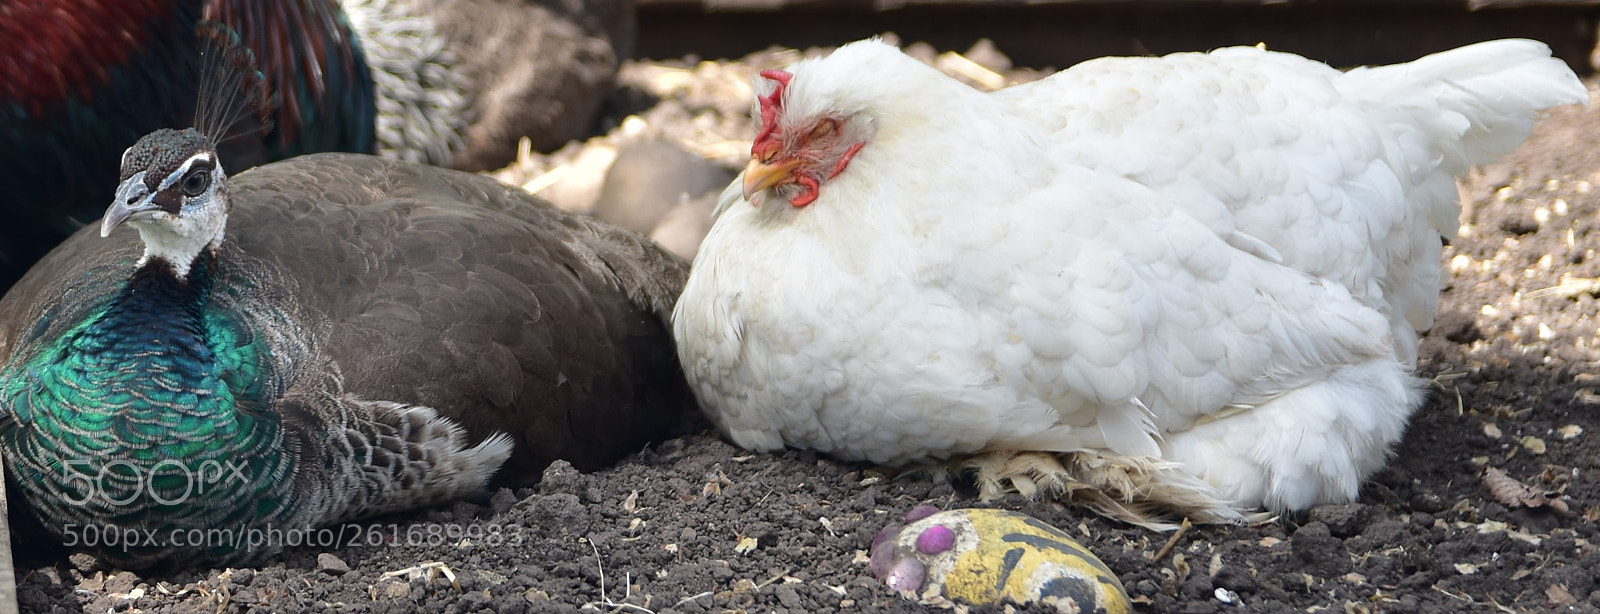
<point x="139" y="419"/>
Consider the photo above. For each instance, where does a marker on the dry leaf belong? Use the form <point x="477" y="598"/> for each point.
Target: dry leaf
<point x="1491" y="430"/>
<point x="1504" y="488"/>
<point x="1466" y="569"/>
<point x="1570" y="431"/>
<point x="1525" y="537"/>
<point x="1533" y="444"/>
<point x="1512" y="493"/>
<point x="1558" y="595"/>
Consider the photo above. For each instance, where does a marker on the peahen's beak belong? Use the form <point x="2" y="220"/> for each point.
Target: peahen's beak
<point x="133" y="201"/>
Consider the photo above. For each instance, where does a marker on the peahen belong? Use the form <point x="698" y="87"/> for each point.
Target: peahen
<point x="80" y="79"/>
<point x="368" y="335"/>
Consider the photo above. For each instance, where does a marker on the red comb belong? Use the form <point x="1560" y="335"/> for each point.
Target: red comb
<point x="771" y="104"/>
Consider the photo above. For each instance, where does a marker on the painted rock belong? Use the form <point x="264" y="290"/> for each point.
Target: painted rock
<point x="983" y="556"/>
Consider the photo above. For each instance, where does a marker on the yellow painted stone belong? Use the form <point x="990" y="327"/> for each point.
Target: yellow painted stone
<point x="1001" y="554"/>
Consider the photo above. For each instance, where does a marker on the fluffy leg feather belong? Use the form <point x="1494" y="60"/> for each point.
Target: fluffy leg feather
<point x="1139" y="490"/>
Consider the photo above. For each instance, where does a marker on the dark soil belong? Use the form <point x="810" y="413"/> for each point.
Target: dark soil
<point x="695" y="525"/>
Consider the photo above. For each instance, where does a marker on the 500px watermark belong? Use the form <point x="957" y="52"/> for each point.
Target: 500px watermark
<point x="426" y="534"/>
<point x="122" y="482"/>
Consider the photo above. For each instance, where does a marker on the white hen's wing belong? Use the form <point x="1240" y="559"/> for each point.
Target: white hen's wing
<point x="1344" y="176"/>
<point x="1113" y="305"/>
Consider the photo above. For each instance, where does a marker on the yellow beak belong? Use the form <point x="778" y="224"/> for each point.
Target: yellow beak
<point x="760" y="175"/>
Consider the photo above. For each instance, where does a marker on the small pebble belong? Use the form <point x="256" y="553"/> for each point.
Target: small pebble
<point x="1225" y="596"/>
<point x="86" y="563"/>
<point x="399" y="590"/>
<point x="331" y="565"/>
<point x="502" y="501"/>
<point x="121" y="582"/>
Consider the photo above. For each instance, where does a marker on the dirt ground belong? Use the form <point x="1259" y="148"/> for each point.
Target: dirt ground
<point x="696" y="525"/>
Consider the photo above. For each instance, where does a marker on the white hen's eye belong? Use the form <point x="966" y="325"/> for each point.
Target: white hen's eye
<point x="196" y="182"/>
<point x="824" y="129"/>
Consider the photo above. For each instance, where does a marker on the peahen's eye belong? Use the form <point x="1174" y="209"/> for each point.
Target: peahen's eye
<point x="196" y="182"/>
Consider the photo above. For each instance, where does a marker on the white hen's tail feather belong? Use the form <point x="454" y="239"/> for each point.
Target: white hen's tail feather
<point x="1475" y="103"/>
<point x="1449" y="111"/>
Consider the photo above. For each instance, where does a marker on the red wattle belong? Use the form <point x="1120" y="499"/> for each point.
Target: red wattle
<point x="807" y="195"/>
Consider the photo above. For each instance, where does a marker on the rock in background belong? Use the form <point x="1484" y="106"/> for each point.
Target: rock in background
<point x="687" y="116"/>
<point x="650" y="178"/>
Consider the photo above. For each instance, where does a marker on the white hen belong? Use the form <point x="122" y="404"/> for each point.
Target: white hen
<point x="1189" y="284"/>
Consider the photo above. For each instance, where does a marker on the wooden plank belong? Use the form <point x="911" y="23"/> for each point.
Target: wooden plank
<point x="1522" y="4"/>
<point x="8" y="574"/>
<point x="1060" y="35"/>
<point x="890" y="5"/>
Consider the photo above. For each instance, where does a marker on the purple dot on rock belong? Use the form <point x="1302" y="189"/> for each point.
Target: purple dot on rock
<point x="919" y="512"/>
<point x="887" y="533"/>
<point x="935" y="539"/>
<point x="906" y="575"/>
<point x="881" y="560"/>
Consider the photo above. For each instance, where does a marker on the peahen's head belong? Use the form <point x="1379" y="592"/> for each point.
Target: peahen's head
<point x="173" y="189"/>
<point x="174" y="193"/>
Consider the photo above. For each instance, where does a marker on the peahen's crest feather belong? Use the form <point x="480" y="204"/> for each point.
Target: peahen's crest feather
<point x="232" y="85"/>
